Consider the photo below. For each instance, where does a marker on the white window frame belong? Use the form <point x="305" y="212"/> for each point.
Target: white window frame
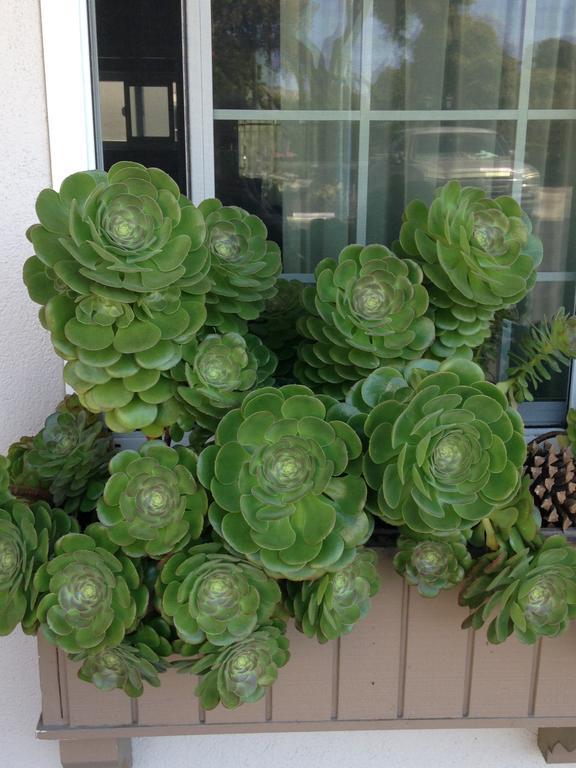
<point x="74" y="139"/>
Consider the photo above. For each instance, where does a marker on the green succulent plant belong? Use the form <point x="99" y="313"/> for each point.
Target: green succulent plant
<point x="279" y="474"/>
<point x="120" y="269"/>
<point x="515" y="524"/>
<point x="449" y="456"/>
<point x="27" y="538"/>
<point x="214" y="596"/>
<point x="544" y="350"/>
<point x="244" y="266"/>
<point x="432" y="564"/>
<point x="330" y="606"/>
<point x="217" y="372"/>
<point x="155" y="633"/>
<point x="366" y="309"/>
<point x="125" y="666"/>
<point x="68" y="458"/>
<point x="152" y="504"/>
<point x="239" y="673"/>
<point x="478" y="255"/>
<point x="277" y="325"/>
<point x="92" y="595"/>
<point x="531" y="593"/>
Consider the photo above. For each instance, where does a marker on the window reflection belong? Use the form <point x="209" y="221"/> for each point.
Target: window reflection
<point x="300" y="178"/>
<point x="446" y="54"/>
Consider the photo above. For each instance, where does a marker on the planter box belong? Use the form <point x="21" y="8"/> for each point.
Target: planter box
<point x="407" y="665"/>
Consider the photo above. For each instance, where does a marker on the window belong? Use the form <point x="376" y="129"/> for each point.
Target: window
<point x="324" y="118"/>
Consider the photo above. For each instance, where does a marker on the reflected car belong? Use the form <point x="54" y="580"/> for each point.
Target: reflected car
<point x="422" y="159"/>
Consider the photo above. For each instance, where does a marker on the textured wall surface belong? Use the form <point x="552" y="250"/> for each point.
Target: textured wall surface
<point x="30" y="374"/>
<point x="30" y="385"/>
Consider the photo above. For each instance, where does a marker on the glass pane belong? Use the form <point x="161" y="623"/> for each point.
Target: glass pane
<point x="551" y="151"/>
<point x="113" y="119"/>
<point x="149" y="111"/>
<point x="409" y="160"/>
<point x="553" y="83"/>
<point x="286" y="54"/>
<point x="299" y="177"/>
<point x="543" y="302"/>
<point x="139" y="48"/>
<point x="446" y="54"/>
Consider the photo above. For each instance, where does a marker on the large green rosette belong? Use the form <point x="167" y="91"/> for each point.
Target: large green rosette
<point x="366" y="310"/>
<point x="244" y="266"/>
<point x="211" y="595"/>
<point x="531" y="593"/>
<point x="448" y="456"/>
<point x="478" y="255"/>
<point x="92" y="594"/>
<point x="120" y="269"/>
<point x="152" y="504"/>
<point x="216" y="373"/>
<point x="285" y="483"/>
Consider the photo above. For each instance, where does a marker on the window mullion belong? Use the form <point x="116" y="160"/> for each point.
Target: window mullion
<point x="199" y="104"/>
<point x="364" y="125"/>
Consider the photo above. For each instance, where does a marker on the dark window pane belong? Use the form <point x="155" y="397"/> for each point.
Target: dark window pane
<point x="140" y="69"/>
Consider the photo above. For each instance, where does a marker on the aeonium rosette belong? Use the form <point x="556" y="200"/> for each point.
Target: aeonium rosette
<point x="367" y="309"/>
<point x="93" y="594"/>
<point x="280" y="475"/>
<point x="331" y="606"/>
<point x="447" y="457"/>
<point x="152" y="504"/>
<point x="478" y="254"/>
<point x="240" y="673"/>
<point x="531" y="593"/>
<point x="212" y="595"/>
<point x="217" y="372"/>
<point x="244" y="265"/>
<point x="121" y="271"/>
<point x="432" y="563"/>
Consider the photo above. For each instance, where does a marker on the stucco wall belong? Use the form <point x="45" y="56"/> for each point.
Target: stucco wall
<point x="30" y="385"/>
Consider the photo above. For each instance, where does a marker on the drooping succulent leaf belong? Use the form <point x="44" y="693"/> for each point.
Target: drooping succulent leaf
<point x="240" y="673"/>
<point x="331" y="606"/>
<point x="531" y="593"/>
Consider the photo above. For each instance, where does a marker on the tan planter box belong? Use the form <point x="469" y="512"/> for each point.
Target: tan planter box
<point x="407" y="665"/>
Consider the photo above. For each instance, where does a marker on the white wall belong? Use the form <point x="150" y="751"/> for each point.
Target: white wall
<point x="30" y="385"/>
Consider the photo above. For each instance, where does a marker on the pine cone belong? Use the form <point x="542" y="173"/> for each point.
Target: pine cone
<point x="552" y="471"/>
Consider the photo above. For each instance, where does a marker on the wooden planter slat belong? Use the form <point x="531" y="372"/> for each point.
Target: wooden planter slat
<point x="556" y="689"/>
<point x="408" y="664"/>
<point x="436" y="655"/>
<point x="370" y="689"/>
<point x="172" y="703"/>
<point x="307" y="692"/>
<point x="501" y="678"/>
<point x="115" y="709"/>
